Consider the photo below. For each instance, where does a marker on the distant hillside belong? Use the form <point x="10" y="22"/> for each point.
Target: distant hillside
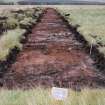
<point x="61" y="2"/>
<point x="33" y="2"/>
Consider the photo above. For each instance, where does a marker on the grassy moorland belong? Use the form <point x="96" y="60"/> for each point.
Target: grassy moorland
<point x="91" y="22"/>
<point x="41" y="96"/>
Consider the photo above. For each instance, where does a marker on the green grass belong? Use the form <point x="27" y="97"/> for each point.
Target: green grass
<point x="91" y="21"/>
<point x="27" y="23"/>
<point x="11" y="23"/>
<point x="42" y="96"/>
<point x="9" y="40"/>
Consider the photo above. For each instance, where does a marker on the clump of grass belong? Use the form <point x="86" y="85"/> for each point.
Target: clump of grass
<point x="20" y="17"/>
<point x="27" y="23"/>
<point x="11" y="23"/>
<point x="40" y="96"/>
<point x="10" y="40"/>
<point x="30" y="18"/>
<point x="30" y="13"/>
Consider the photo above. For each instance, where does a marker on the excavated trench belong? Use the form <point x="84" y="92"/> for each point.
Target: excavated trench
<point x="52" y="56"/>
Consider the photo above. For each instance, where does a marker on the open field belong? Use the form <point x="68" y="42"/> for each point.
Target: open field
<point x="49" y="58"/>
<point x="13" y="7"/>
<point x="67" y="7"/>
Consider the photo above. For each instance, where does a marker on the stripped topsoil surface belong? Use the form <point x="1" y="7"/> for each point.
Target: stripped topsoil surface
<point x="52" y="56"/>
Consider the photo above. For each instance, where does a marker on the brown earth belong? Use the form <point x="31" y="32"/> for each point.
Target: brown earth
<point x="52" y="57"/>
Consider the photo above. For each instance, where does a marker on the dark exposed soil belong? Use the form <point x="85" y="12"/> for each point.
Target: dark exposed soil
<point x="52" y="56"/>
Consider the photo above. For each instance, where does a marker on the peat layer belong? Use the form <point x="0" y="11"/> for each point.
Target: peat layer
<point x="52" y="56"/>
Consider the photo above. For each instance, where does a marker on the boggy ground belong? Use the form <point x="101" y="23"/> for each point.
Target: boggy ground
<point x="52" y="56"/>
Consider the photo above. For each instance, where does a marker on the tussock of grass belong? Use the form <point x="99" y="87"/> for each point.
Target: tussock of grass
<point x="12" y="23"/>
<point x="27" y="22"/>
<point x="30" y="13"/>
<point x="20" y="17"/>
<point x="9" y="40"/>
<point x="41" y="96"/>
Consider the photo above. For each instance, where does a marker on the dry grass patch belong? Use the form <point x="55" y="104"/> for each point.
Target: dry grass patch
<point x="9" y="40"/>
<point x="42" y="96"/>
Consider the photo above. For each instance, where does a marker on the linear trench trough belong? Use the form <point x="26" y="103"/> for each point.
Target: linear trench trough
<point x="52" y="56"/>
